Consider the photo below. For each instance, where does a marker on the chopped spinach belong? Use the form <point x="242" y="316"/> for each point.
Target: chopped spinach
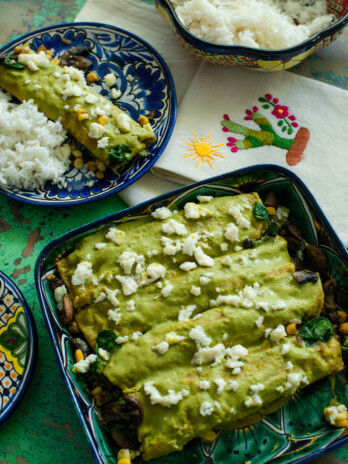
<point x="107" y="340"/>
<point x="315" y="330"/>
<point x="260" y="214"/>
<point x="119" y="155"/>
<point x="12" y="63"/>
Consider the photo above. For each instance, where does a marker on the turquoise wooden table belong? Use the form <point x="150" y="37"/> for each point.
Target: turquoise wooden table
<point x="44" y="428"/>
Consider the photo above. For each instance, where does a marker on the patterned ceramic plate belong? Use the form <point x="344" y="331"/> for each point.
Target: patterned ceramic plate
<point x="146" y="89"/>
<point x="295" y="433"/>
<point x="18" y="346"/>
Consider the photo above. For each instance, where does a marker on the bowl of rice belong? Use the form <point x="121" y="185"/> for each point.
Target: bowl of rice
<point x="270" y="35"/>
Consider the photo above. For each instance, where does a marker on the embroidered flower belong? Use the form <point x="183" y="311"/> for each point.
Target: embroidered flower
<point x="231" y="143"/>
<point x="226" y="118"/>
<point x="250" y="112"/>
<point x="280" y="111"/>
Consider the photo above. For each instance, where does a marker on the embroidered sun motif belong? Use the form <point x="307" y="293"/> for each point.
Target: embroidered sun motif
<point x="203" y="150"/>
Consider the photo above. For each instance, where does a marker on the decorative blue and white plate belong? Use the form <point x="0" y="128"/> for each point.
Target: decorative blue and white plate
<point x="18" y="346"/>
<point x="146" y="88"/>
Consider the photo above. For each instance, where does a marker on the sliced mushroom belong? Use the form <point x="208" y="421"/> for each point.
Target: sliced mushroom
<point x="124" y="437"/>
<point x="315" y="260"/>
<point x="126" y="409"/>
<point x="330" y="289"/>
<point x="67" y="312"/>
<point x="305" y="277"/>
<point x="55" y="283"/>
<point x="74" y="56"/>
<point x="79" y="344"/>
<point x="271" y="199"/>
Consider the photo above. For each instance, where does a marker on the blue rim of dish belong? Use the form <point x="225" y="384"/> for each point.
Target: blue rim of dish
<point x="221" y="49"/>
<point x="159" y="150"/>
<point x="134" y="210"/>
<point x="32" y="348"/>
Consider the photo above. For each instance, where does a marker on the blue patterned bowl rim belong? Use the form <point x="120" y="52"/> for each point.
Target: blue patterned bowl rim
<point x="133" y="211"/>
<point x="258" y="53"/>
<point x="32" y="348"/>
<point x="171" y="116"/>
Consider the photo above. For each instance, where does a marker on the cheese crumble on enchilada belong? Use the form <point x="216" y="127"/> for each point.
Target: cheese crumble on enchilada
<point x="188" y="313"/>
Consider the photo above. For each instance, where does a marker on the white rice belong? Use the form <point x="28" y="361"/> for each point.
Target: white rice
<point x="31" y="150"/>
<point x="267" y="24"/>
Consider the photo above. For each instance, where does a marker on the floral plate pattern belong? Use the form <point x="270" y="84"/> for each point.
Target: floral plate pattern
<point x="18" y="346"/>
<point x="296" y="433"/>
<point x="146" y="89"/>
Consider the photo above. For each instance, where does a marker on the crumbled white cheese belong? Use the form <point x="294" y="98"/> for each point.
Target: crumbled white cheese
<point x="257" y="388"/>
<point x="83" y="366"/>
<point x="101" y="297"/>
<point x="161" y="213"/>
<point x="199" y="336"/>
<point x="161" y="347"/>
<point x="121" y="340"/>
<point x="233" y="385"/>
<point x="207" y="355"/>
<point x="136" y="335"/>
<point x="221" y="384"/>
<point x="74" y="73"/>
<point x="232" y="300"/>
<point x="289" y="366"/>
<point x="186" y="312"/>
<point x="282" y="213"/>
<point x="66" y="107"/>
<point x="285" y="349"/>
<point x="280" y="389"/>
<point x="203" y="259"/>
<point x="194" y="211"/>
<point x="123" y="121"/>
<point x="111" y="296"/>
<point x="173" y="227"/>
<point x="114" y="315"/>
<point x="167" y="290"/>
<point x="332" y="412"/>
<point x="188" y="266"/>
<point x="224" y="246"/>
<point x="154" y="271"/>
<point x="34" y="61"/>
<point x="103" y="354"/>
<point x="37" y="87"/>
<point x="99" y="246"/>
<point x="115" y="235"/>
<point x="59" y="293"/>
<point x="189" y="244"/>
<point x="90" y="98"/>
<point x="172" y="338"/>
<point x="206" y="409"/>
<point x="231" y="232"/>
<point x="293" y="381"/>
<point x="71" y="90"/>
<point x="242" y="222"/>
<point x="130" y="306"/>
<point x="206" y="278"/>
<point x="115" y="93"/>
<point x="259" y="321"/>
<point x="278" y="305"/>
<point x="204" y="198"/>
<point x="204" y="385"/>
<point x="110" y="79"/>
<point x="278" y="333"/>
<point x="129" y="285"/>
<point x="171" y="247"/>
<point x="103" y="142"/>
<point x="196" y="291"/>
<point x="82" y="272"/>
<point x="127" y="259"/>
<point x="168" y="400"/>
<point x="96" y="130"/>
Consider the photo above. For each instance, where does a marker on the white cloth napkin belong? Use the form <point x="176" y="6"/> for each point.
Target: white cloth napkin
<point x="291" y="103"/>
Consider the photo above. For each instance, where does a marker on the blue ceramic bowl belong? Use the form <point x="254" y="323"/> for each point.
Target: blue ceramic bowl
<point x="296" y="433"/>
<point x="248" y="57"/>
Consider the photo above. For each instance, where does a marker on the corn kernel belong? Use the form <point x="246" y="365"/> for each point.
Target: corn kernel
<point x="100" y="175"/>
<point x="327" y="411"/>
<point x="344" y="328"/>
<point x="41" y="48"/>
<point x="100" y="165"/>
<point x="18" y="49"/>
<point x="82" y="116"/>
<point x="92" y="77"/>
<point x="96" y="391"/>
<point x="124" y="461"/>
<point x="76" y="153"/>
<point x="103" y="120"/>
<point x="92" y="166"/>
<point x="56" y="61"/>
<point x="342" y="316"/>
<point x="123" y="453"/>
<point x="78" y="163"/>
<point x="342" y="423"/>
<point x="271" y="210"/>
<point x="142" y="120"/>
<point x="49" y="276"/>
<point x="291" y="329"/>
<point x="79" y="355"/>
